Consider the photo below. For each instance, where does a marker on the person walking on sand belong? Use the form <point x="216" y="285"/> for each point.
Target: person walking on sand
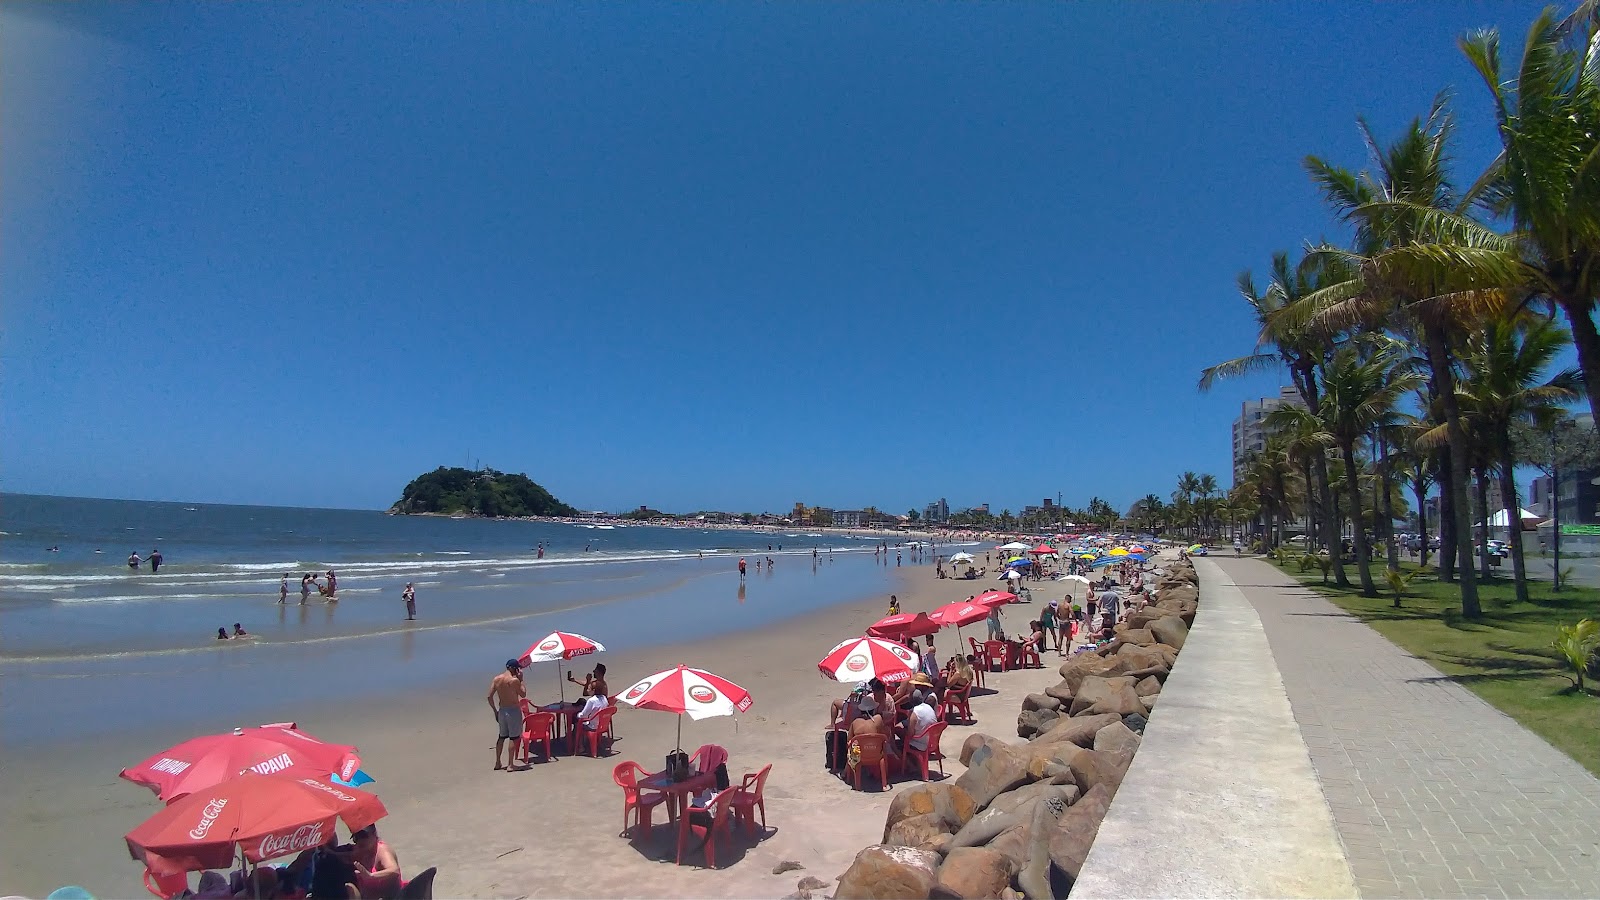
<point x="283" y="589"/>
<point x="155" y="560"/>
<point x="508" y="689"/>
<point x="409" y="595"/>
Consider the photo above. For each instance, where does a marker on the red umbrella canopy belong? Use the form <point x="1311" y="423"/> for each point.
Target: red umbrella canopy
<point x="681" y="690"/>
<point x="560" y="645"/>
<point x="992" y="599"/>
<point x="865" y="658"/>
<point x="904" y="625"/>
<point x="963" y="613"/>
<point x="267" y="816"/>
<point x="202" y="762"/>
<point x="1043" y="549"/>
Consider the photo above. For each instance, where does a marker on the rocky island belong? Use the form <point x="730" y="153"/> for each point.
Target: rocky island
<point x="484" y="492"/>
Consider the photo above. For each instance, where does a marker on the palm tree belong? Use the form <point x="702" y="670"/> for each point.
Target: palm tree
<point x="1206" y="486"/>
<point x="1301" y="349"/>
<point x="1362" y="395"/>
<point x="1504" y="367"/>
<point x="1547" y="177"/>
<point x="1423" y="268"/>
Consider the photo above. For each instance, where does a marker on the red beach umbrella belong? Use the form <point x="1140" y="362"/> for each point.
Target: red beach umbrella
<point x="1043" y="550"/>
<point x="200" y="763"/>
<point x="991" y="599"/>
<point x="261" y="817"/>
<point x="958" y="614"/>
<point x="902" y="626"/>
<point x="558" y="647"/>
<point x="866" y="658"/>
<point x="685" y="691"/>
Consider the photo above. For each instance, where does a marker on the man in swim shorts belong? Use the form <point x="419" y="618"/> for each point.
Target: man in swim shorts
<point x="508" y="689"/>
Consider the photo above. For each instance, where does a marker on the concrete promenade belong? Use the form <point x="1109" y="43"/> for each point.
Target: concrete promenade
<point x="1221" y="800"/>
<point x="1434" y="793"/>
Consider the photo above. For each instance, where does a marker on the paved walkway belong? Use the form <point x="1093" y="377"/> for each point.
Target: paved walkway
<point x="1434" y="793"/>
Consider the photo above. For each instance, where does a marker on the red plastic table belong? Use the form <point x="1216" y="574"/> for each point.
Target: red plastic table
<point x="678" y="793"/>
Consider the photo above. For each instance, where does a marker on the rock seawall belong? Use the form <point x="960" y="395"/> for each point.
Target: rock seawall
<point x="1020" y="821"/>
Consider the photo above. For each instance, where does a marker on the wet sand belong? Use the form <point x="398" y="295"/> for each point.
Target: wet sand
<point x="553" y="830"/>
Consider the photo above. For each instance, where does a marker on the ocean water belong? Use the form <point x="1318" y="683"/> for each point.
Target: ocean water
<point x="78" y="626"/>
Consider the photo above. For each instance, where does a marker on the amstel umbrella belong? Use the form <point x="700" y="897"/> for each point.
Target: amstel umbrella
<point x="866" y="658"/>
<point x="558" y="647"/>
<point x="260" y="817"/>
<point x="685" y="691"/>
<point x="200" y="763"/>
<point x="903" y="625"/>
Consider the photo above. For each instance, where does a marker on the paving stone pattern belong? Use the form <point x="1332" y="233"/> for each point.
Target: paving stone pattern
<point x="1434" y="792"/>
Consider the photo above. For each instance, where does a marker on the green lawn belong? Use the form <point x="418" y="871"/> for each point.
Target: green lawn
<point x="1506" y="657"/>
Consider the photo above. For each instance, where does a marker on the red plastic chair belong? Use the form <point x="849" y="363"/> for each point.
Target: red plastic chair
<point x="167" y="887"/>
<point x="611" y="728"/>
<point x="583" y="735"/>
<point x="932" y="752"/>
<point x="1030" y="657"/>
<point x="996" y="652"/>
<point x="873" y="758"/>
<point x="708" y="757"/>
<point x="977" y="647"/>
<point x="537" y="728"/>
<point x="717" y="812"/>
<point x="976" y="664"/>
<point x="956" y="702"/>
<point x="748" y="799"/>
<point x="634" y="800"/>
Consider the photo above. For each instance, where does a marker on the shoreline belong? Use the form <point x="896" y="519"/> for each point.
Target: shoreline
<point x="525" y="833"/>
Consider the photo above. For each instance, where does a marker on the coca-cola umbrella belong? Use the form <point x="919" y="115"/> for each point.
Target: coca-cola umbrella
<point x="685" y="691"/>
<point x="199" y="763"/>
<point x="903" y="625"/>
<point x="558" y="647"/>
<point x="258" y="817"/>
<point x="866" y="658"/>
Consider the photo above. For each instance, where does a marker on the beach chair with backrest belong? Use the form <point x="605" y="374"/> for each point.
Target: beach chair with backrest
<point x="420" y="887"/>
<point x="996" y="653"/>
<point x="872" y="757"/>
<point x="635" y="799"/>
<point x="956" y="702"/>
<point x="752" y="796"/>
<point x="932" y="753"/>
<point x="537" y="728"/>
<point x="712" y="819"/>
<point x="582" y="735"/>
<point x="166" y="887"/>
<point x="708" y="757"/>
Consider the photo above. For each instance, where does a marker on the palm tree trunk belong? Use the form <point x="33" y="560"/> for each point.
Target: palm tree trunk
<point x="1447" y="518"/>
<point x="1386" y="506"/>
<point x="1555" y="518"/>
<point x="1586" y="338"/>
<point x="1352" y="480"/>
<point x="1444" y="384"/>
<point x="1330" y="520"/>
<point x="1508" y="487"/>
<point x="1482" y="475"/>
<point x="1422" y="519"/>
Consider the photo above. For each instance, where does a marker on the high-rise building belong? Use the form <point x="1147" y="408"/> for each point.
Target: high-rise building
<point x="1250" y="431"/>
<point x="937" y="511"/>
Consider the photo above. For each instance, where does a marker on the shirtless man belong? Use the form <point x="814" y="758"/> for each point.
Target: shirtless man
<point x="507" y="687"/>
<point x="594" y="684"/>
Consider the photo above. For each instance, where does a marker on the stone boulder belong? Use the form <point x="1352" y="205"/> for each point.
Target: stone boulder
<point x="945" y="799"/>
<point x="1073" y="836"/>
<point x="1116" y="738"/>
<point x="1170" y="631"/>
<point x="994" y="769"/>
<point x="1135" y="723"/>
<point x="1030" y="723"/>
<point x="1113" y="696"/>
<point x="1061" y="692"/>
<point x="1149" y="703"/>
<point x="918" y="831"/>
<point x="1077" y="730"/>
<point x="1040" y="701"/>
<point x="886" y="873"/>
<point x="1043" y="755"/>
<point x="973" y="742"/>
<point x="1013" y="844"/>
<point x="1079" y="667"/>
<point x="1178" y="593"/>
<point x="1019" y="799"/>
<point x="1148" y="660"/>
<point x="1147" y="686"/>
<point x="976" y="872"/>
<point x="1093" y="768"/>
<point x="1141" y="637"/>
<point x="939" y="843"/>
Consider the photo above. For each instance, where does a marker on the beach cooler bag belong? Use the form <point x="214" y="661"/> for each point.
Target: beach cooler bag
<point x="835" y="742"/>
<point x="677" y="766"/>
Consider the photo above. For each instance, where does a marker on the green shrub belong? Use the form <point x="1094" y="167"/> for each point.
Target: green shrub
<point x="1577" y="644"/>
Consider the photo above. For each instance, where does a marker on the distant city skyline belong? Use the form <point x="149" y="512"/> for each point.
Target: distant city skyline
<point x="700" y="256"/>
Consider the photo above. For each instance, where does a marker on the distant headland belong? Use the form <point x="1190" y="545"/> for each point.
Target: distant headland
<point x="484" y="492"/>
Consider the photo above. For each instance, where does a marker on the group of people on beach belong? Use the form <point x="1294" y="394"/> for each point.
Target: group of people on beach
<point x="508" y="699"/>
<point x="366" y="865"/>
<point x="134" y="561"/>
<point x="309" y="580"/>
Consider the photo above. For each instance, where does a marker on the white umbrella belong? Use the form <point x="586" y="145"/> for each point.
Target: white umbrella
<point x="682" y="690"/>
<point x="1013" y="575"/>
<point x="961" y="557"/>
<point x="1015" y="545"/>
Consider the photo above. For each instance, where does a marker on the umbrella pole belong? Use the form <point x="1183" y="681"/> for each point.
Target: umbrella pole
<point x="561" y="684"/>
<point x="680" y="734"/>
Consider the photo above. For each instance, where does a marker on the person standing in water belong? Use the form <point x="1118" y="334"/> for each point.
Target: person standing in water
<point x="283" y="589"/>
<point x="155" y="560"/>
<point x="305" y="589"/>
<point x="409" y="595"/>
<point x="134" y="560"/>
<point x="741" y="567"/>
<point x="333" y="585"/>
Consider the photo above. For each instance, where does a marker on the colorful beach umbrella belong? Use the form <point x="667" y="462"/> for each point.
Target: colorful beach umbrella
<point x="902" y="626"/>
<point x="1043" y="550"/>
<point x="693" y="692"/>
<point x="866" y="658"/>
<point x="1117" y="551"/>
<point x="203" y="762"/>
<point x="260" y="817"/>
<point x="558" y="647"/>
<point x="961" y="613"/>
<point x="1018" y="561"/>
<point x="961" y="557"/>
<point x="992" y="599"/>
<point x="357" y="780"/>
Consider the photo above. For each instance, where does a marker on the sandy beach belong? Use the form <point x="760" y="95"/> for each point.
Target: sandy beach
<point x="552" y="830"/>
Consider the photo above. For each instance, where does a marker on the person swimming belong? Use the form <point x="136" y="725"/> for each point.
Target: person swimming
<point x="222" y="633"/>
<point x="239" y="631"/>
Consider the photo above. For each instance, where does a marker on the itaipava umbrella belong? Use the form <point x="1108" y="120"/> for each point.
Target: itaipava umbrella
<point x="684" y="691"/>
<point x="259" y="817"/>
<point x="866" y="658"/>
<point x="558" y="647"/>
<point x="903" y="625"/>
<point x="992" y="599"/>
<point x="199" y="763"/>
<point x="958" y="614"/>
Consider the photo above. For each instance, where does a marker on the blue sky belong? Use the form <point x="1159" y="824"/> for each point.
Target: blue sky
<point x="686" y="255"/>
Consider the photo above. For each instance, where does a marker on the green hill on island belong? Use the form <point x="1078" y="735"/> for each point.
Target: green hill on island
<point x="482" y="493"/>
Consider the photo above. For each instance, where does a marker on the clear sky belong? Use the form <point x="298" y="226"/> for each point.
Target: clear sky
<point x="688" y="255"/>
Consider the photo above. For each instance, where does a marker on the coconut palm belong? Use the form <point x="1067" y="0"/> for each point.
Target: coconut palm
<point x="1547" y="177"/>
<point x="1504" y="384"/>
<point x="1363" y="394"/>
<point x="1424" y="269"/>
